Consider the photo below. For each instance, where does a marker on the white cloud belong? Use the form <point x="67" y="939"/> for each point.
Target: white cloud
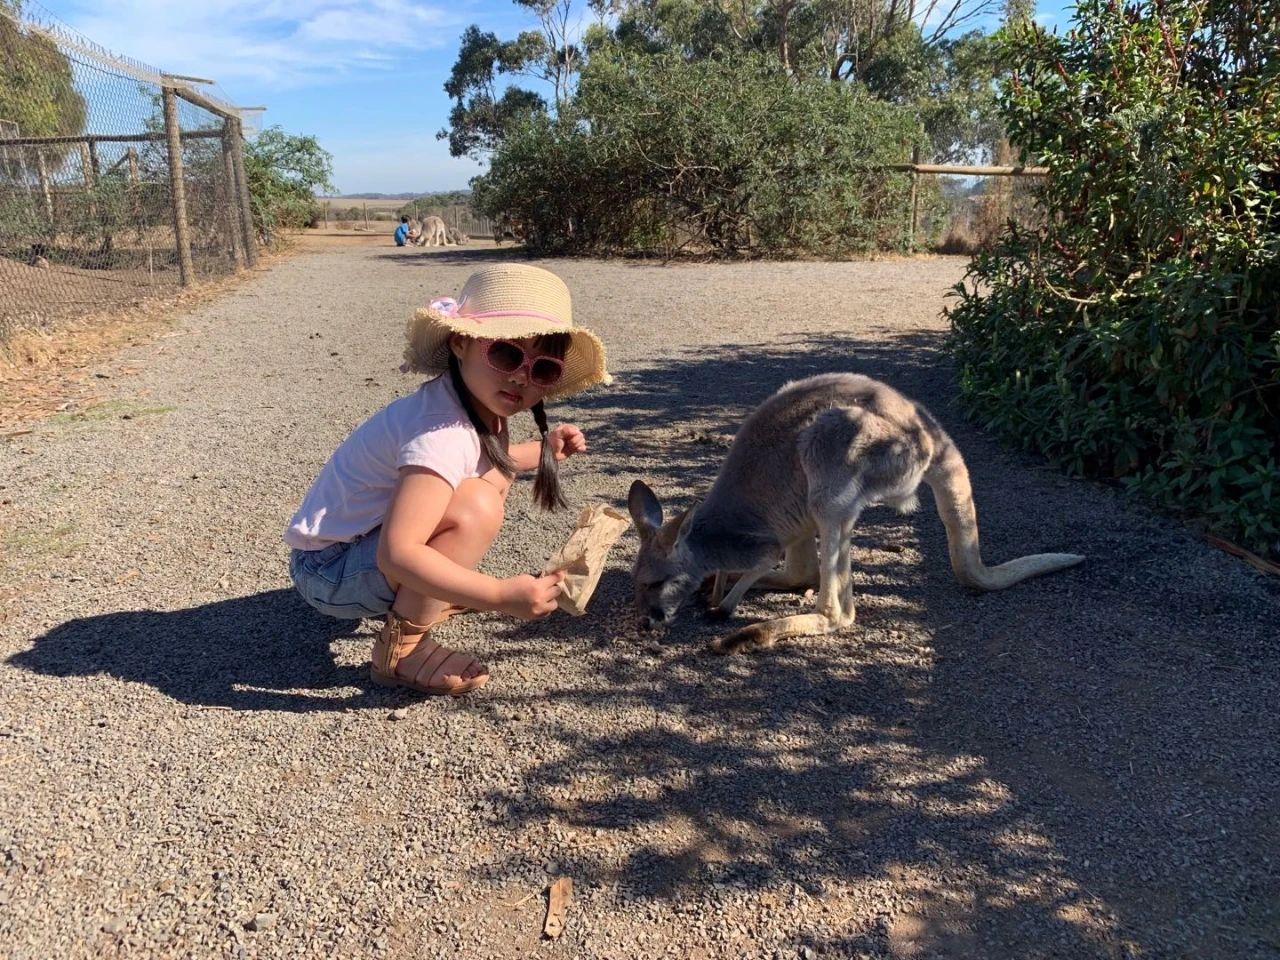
<point x="272" y="45"/>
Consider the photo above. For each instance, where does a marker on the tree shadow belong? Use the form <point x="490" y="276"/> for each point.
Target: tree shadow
<point x="268" y="651"/>
<point x="453" y="256"/>
<point x="1053" y="770"/>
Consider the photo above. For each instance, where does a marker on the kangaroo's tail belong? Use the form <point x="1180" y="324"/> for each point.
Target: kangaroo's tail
<point x="949" y="479"/>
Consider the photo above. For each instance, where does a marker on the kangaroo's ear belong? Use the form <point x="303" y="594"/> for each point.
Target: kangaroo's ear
<point x="645" y="509"/>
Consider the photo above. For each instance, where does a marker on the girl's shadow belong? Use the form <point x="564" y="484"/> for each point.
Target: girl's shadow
<point x="268" y="651"/>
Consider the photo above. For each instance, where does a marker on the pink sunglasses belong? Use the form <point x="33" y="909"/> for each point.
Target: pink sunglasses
<point x="508" y="358"/>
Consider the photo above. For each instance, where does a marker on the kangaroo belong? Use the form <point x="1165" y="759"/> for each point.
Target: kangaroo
<point x="805" y="464"/>
<point x="434" y="233"/>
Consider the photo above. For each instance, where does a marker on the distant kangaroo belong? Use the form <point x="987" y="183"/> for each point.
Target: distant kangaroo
<point x="434" y="233"/>
<point x="807" y="462"/>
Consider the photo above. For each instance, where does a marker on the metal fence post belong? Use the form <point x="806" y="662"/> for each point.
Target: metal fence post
<point x="177" y="187"/>
<point x="242" y="187"/>
<point x="234" y="223"/>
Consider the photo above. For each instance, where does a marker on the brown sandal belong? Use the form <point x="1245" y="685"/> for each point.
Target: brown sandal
<point x="432" y="669"/>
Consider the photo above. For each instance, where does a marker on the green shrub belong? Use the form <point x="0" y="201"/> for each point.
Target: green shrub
<point x="724" y="155"/>
<point x="1136" y="334"/>
<point x="284" y="171"/>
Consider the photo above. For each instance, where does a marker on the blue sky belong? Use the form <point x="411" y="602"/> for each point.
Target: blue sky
<point x="365" y="76"/>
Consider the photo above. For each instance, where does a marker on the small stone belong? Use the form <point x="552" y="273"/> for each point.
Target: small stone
<point x="808" y="953"/>
<point x="400" y="713"/>
<point x="115" y="926"/>
<point x="260" y="922"/>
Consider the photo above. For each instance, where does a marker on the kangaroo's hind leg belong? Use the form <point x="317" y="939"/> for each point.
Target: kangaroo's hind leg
<point x="836" y="456"/>
<point x="830" y="616"/>
<point x="835" y="586"/>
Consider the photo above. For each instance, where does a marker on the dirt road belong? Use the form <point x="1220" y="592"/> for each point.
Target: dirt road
<point x="192" y="763"/>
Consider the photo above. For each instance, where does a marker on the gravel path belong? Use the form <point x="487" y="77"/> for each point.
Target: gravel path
<point x="193" y="764"/>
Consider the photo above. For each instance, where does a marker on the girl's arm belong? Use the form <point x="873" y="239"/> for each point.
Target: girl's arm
<point x="404" y="557"/>
<point x="566" y="440"/>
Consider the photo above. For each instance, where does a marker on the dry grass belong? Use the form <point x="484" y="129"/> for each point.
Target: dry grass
<point x="343" y="203"/>
<point x="49" y="370"/>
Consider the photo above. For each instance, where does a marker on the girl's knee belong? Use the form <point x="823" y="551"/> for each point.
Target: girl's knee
<point x="477" y="505"/>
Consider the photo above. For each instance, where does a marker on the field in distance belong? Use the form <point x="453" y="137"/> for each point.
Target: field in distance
<point x="373" y="205"/>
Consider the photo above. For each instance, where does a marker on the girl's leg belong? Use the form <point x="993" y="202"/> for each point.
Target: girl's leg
<point x="466" y="531"/>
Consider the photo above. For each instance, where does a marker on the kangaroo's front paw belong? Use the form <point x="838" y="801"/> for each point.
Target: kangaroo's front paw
<point x="719" y="612"/>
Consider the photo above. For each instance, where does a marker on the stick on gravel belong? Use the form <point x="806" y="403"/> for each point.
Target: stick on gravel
<point x="582" y="557"/>
<point x="558" y="896"/>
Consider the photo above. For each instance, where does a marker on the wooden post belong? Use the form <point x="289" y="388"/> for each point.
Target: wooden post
<point x="365" y="206"/>
<point x="326" y="214"/>
<point x="915" y="199"/>
<point x="103" y="216"/>
<point x="231" y="200"/>
<point x="177" y="187"/>
<point x="42" y="171"/>
<point x="135" y="191"/>
<point x="242" y="186"/>
<point x="86" y="173"/>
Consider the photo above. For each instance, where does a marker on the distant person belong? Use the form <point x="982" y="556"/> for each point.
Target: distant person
<point x="402" y="232"/>
<point x="398" y="519"/>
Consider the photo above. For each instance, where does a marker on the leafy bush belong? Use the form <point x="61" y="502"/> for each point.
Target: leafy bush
<point x="1136" y="334"/>
<point x="729" y="155"/>
<point x="284" y="172"/>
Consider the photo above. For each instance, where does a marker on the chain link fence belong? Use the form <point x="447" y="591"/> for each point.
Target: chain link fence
<point x="117" y="182"/>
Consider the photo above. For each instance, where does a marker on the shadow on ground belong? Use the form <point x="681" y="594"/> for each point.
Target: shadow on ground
<point x="268" y="651"/>
<point x="1084" y="765"/>
<point x="454" y="256"/>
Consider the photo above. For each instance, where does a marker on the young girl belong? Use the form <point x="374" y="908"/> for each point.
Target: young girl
<point x="400" y="516"/>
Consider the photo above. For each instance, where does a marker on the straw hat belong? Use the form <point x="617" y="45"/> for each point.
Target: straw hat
<point x="508" y="302"/>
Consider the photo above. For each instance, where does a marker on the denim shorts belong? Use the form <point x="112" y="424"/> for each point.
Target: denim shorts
<point x="343" y="579"/>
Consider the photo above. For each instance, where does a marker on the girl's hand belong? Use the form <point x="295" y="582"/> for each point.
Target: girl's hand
<point x="566" y="440"/>
<point x="530" y="598"/>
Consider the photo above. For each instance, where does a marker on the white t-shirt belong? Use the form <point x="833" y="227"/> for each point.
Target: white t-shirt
<point x="429" y="428"/>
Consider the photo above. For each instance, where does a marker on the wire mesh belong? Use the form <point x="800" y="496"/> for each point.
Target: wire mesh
<point x="89" y="191"/>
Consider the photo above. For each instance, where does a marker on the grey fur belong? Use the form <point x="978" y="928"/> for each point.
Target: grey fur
<point x="805" y="464"/>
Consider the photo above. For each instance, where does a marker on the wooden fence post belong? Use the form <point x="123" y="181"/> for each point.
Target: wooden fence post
<point x="42" y="171"/>
<point x="232" y="199"/>
<point x="915" y="200"/>
<point x="135" y="191"/>
<point x="103" y="217"/>
<point x="177" y="187"/>
<point x="86" y="174"/>
<point x="242" y="186"/>
<point x="365" y="205"/>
